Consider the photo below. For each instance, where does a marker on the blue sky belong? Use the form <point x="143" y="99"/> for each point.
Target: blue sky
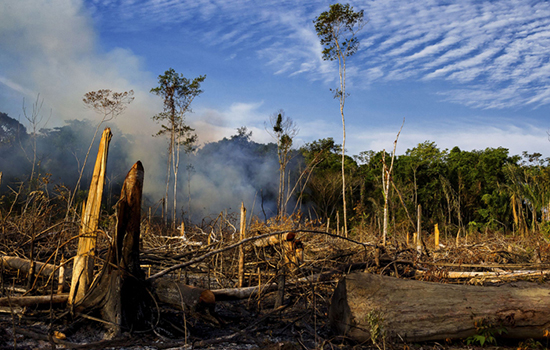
<point x="472" y="74"/>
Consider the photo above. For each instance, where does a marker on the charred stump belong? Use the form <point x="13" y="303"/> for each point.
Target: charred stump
<point x="120" y="293"/>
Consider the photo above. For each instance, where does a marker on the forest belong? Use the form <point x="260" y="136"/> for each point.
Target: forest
<point x="464" y="192"/>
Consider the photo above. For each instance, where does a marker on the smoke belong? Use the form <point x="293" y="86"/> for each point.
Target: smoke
<point x="50" y="49"/>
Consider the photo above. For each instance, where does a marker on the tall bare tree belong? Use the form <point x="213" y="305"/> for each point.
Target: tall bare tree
<point x="178" y="93"/>
<point x="386" y="181"/>
<point x="337" y="29"/>
<point x="284" y="130"/>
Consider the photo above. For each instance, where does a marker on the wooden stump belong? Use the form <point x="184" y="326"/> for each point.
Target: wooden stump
<point x="421" y="311"/>
<point x="120" y="292"/>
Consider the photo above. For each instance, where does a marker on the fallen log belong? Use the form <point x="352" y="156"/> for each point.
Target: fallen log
<point x="247" y="292"/>
<point x="489" y="274"/>
<point x="181" y="296"/>
<point x="24" y="265"/>
<point x="34" y="300"/>
<point x="364" y="306"/>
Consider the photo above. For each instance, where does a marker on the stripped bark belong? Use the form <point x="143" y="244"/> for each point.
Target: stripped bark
<point x="83" y="267"/>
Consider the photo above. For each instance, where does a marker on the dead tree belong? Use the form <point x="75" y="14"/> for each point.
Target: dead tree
<point x="119" y="293"/>
<point x="83" y="267"/>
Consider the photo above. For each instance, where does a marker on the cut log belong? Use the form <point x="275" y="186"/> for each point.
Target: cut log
<point x="422" y="311"/>
<point x="242" y="293"/>
<point x="181" y="296"/>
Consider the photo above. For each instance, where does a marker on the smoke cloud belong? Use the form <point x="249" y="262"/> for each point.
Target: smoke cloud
<point x="51" y="50"/>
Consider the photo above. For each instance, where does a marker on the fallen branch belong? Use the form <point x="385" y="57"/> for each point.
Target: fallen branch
<point x="24" y="265"/>
<point x="34" y="300"/>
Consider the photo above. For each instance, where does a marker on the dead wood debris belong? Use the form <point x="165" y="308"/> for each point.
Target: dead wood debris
<point x="243" y="317"/>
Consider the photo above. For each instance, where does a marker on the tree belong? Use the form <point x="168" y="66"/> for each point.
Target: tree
<point x="386" y="180"/>
<point x="109" y="105"/>
<point x="283" y="130"/>
<point x="34" y="119"/>
<point x="337" y="29"/>
<point x="178" y="93"/>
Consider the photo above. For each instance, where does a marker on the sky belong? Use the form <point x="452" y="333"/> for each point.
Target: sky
<point x="467" y="73"/>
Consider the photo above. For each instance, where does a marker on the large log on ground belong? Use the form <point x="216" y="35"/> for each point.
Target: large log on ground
<point x="421" y="311"/>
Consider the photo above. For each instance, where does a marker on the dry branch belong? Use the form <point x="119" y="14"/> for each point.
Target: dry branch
<point x="245" y="241"/>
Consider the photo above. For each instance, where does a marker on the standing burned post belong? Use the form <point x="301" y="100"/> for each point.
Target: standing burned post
<point x="120" y="293"/>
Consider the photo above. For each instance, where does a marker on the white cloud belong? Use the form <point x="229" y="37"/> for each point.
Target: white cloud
<point x="468" y="137"/>
<point x="495" y="45"/>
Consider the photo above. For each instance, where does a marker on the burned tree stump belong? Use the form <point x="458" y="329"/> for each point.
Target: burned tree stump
<point x="119" y="293"/>
<point x="421" y="311"/>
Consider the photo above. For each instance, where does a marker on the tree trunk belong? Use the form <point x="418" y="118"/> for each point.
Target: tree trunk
<point x="120" y="293"/>
<point x="241" y="248"/>
<point x="83" y="267"/>
<point x="423" y="311"/>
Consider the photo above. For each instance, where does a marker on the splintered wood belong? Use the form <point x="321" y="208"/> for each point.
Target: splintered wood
<point x="83" y="267"/>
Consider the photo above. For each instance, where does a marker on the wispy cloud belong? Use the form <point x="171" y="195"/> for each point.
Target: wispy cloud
<point x="498" y="46"/>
